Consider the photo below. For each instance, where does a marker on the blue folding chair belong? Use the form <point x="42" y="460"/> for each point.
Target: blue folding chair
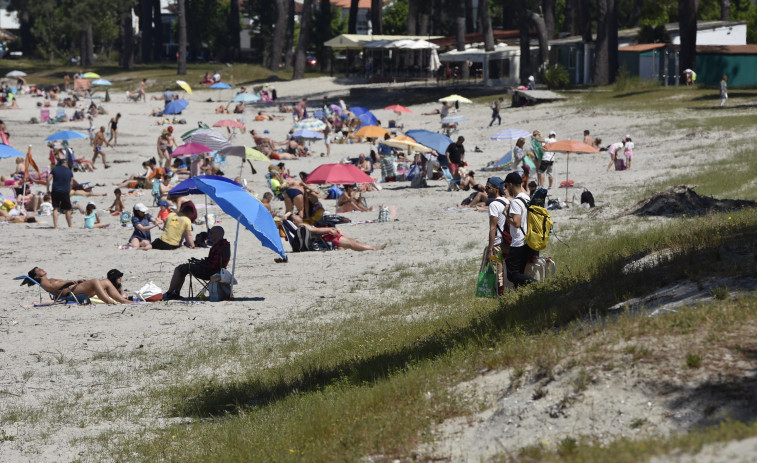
<point x="26" y="280"/>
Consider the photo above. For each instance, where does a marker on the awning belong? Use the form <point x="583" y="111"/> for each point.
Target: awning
<point x="359" y="41"/>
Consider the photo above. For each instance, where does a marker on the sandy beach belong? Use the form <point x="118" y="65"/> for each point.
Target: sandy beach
<point x="38" y="346"/>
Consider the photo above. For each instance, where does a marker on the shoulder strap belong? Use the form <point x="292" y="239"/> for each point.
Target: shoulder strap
<point x="525" y="204"/>
<point x="501" y="201"/>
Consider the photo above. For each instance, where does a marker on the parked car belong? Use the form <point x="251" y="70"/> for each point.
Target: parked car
<point x="311" y="60"/>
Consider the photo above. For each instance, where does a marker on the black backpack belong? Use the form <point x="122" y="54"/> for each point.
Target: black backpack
<point x="587" y="197"/>
<point x="306" y="241"/>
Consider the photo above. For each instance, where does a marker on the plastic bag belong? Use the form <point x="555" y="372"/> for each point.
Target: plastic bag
<point x="149" y="292"/>
<point x="487" y="282"/>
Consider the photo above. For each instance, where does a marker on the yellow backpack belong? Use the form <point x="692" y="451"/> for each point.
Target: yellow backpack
<point x="539" y="225"/>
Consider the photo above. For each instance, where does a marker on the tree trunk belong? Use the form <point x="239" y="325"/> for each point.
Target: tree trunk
<point x="304" y="42"/>
<point x="181" y="16"/>
<point x="612" y="40"/>
<point x="325" y="34"/>
<point x="352" y="24"/>
<point x="636" y="14"/>
<point x="725" y="10"/>
<point x="548" y="10"/>
<point x="279" y="34"/>
<point x="570" y="17"/>
<point x="377" y="16"/>
<point x="25" y="32"/>
<point x="412" y="17"/>
<point x="525" y="44"/>
<point x="470" y="23"/>
<point x="541" y="31"/>
<point x="486" y="26"/>
<point x="584" y="20"/>
<point x="601" y="66"/>
<point x="127" y="39"/>
<point x="87" y="47"/>
<point x="460" y="35"/>
<point x="424" y="25"/>
<point x="157" y="34"/>
<point x="289" y="45"/>
<point x="145" y="30"/>
<point x="436" y="17"/>
<point x="234" y="31"/>
<point x="687" y="21"/>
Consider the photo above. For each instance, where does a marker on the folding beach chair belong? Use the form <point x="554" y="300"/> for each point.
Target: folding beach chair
<point x="56" y="298"/>
<point x="452" y="182"/>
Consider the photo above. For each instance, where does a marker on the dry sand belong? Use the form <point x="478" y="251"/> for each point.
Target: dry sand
<point x="38" y="346"/>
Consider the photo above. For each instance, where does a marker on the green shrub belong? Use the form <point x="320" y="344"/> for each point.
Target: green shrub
<point x="556" y="77"/>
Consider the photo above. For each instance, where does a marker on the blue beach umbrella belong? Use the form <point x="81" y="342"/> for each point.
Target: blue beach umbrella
<point x="247" y="210"/>
<point x="220" y="85"/>
<point x="176" y="107"/>
<point x="10" y="152"/>
<point x="101" y="82"/>
<point x="453" y="119"/>
<point x="246" y="98"/>
<point x="66" y="135"/>
<point x="436" y="141"/>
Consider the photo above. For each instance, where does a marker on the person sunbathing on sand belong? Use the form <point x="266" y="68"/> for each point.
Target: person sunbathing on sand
<point x="334" y="236"/>
<point x="103" y="289"/>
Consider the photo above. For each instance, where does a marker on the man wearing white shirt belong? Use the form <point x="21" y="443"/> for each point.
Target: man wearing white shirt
<point x="517" y="218"/>
<point x="547" y="159"/>
<point x="497" y="222"/>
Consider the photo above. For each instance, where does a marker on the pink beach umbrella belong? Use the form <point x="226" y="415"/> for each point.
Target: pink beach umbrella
<point x="190" y="149"/>
<point x="229" y="123"/>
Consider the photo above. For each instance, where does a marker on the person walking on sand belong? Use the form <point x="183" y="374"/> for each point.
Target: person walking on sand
<point x="496" y="107"/>
<point x="114" y="129"/>
<point x="723" y="90"/>
<point x="98" y="143"/>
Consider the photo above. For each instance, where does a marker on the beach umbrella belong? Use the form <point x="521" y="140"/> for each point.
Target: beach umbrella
<point x="336" y="109"/>
<point x="220" y="85"/>
<point x="101" y="82"/>
<point x="310" y="123"/>
<point x="9" y="152"/>
<point x="453" y="98"/>
<point x="185" y="86"/>
<point x="247" y="210"/>
<point x="66" y="135"/>
<point x="453" y="119"/>
<point x="90" y="75"/>
<point x="190" y="149"/>
<point x="246" y="153"/>
<point x="510" y="134"/>
<point x="176" y="107"/>
<point x="406" y="143"/>
<point x="371" y="131"/>
<point x="16" y="74"/>
<point x="246" y="98"/>
<point x="367" y="119"/>
<point x="358" y="110"/>
<point x="189" y="186"/>
<point x="307" y="135"/>
<point x="208" y="137"/>
<point x="229" y="123"/>
<point x="436" y="141"/>
<point x="569" y="146"/>
<point x="398" y="109"/>
<point x="338" y="174"/>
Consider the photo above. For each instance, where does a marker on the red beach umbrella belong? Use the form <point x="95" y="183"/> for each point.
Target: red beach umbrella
<point x="229" y="123"/>
<point x="338" y="174"/>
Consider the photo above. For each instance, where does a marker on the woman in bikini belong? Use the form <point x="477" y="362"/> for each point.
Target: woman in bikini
<point x="350" y="201"/>
<point x="164" y="141"/>
<point x="103" y="289"/>
<point x="294" y="193"/>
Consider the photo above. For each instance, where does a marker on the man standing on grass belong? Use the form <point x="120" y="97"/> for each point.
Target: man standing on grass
<point x="517" y="218"/>
<point x="497" y="223"/>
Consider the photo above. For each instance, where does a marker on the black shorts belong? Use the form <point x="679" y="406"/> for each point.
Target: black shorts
<point x="61" y="201"/>
<point x="198" y="269"/>
<point x="544" y="165"/>
<point x="160" y="244"/>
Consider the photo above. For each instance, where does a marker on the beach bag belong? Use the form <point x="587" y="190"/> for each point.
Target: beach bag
<point x="539" y="197"/>
<point x="487" y="282"/>
<point x="620" y="164"/>
<point x="332" y="220"/>
<point x="125" y="217"/>
<point x="539" y="226"/>
<point x="218" y="291"/>
<point x="150" y="292"/>
<point x="307" y="242"/>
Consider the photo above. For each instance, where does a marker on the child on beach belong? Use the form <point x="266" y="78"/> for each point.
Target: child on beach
<point x="46" y="208"/>
<point x="91" y="219"/>
<point x="118" y="204"/>
<point x="628" y="149"/>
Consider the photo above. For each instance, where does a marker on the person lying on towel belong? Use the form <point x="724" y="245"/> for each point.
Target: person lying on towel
<point x="103" y="289"/>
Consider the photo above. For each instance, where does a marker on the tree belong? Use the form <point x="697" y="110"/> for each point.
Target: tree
<point x="352" y="25"/>
<point x="486" y="26"/>
<point x="377" y="21"/>
<point x="157" y="32"/>
<point x="279" y="34"/>
<point x="126" y="33"/>
<point x="584" y="20"/>
<point x="181" y="16"/>
<point x="145" y="30"/>
<point x="548" y="10"/>
<point x="687" y="22"/>
<point x="304" y="42"/>
<point x="725" y="10"/>
<point x="601" y="63"/>
<point x="288" y="46"/>
<point x="234" y="30"/>
<point x="470" y="25"/>
<point x="460" y="35"/>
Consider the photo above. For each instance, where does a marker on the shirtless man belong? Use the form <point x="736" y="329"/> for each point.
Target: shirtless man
<point x="103" y="289"/>
<point x="265" y="143"/>
<point x="98" y="143"/>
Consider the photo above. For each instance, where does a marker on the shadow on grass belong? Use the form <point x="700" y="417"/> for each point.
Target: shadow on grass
<point x="533" y="310"/>
<point x="713" y="402"/>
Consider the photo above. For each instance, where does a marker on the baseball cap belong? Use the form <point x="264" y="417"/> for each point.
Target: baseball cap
<point x="163" y="203"/>
<point x="140" y="207"/>
<point x="170" y="128"/>
<point x="552" y="133"/>
<point x="496" y="181"/>
<point x="513" y="178"/>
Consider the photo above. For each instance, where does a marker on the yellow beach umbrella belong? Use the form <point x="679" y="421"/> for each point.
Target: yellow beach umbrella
<point x="406" y="143"/>
<point x="90" y="75"/>
<point x="185" y="86"/>
<point x="371" y="131"/>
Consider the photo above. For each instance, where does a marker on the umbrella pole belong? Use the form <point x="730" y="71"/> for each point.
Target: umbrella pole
<point x="234" y="263"/>
<point x="207" y="225"/>
<point x="567" y="177"/>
